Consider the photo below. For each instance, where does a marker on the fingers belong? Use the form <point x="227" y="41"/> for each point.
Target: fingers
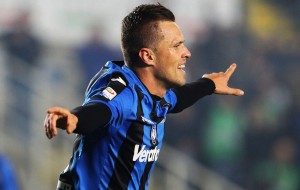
<point x="228" y="73"/>
<point x="236" y="92"/>
<point x="58" y="117"/>
<point x="221" y="82"/>
<point x="229" y="91"/>
<point x="230" y="70"/>
<point x="47" y="130"/>
<point x="50" y="125"/>
<point x="58" y="110"/>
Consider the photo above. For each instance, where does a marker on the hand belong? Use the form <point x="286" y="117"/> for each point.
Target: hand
<point x="221" y="82"/>
<point x="58" y="117"/>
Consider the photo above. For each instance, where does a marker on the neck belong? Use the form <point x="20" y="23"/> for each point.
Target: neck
<point x="152" y="84"/>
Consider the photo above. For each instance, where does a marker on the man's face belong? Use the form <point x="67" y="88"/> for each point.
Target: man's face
<point x="171" y="55"/>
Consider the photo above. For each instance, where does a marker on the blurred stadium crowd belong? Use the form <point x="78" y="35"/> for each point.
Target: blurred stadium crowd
<point x="253" y="140"/>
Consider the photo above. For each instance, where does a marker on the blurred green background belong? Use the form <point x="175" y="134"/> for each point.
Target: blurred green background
<point x="50" y="49"/>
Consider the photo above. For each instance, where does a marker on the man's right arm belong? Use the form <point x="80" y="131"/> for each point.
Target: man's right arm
<point x="81" y="120"/>
<point x="91" y="117"/>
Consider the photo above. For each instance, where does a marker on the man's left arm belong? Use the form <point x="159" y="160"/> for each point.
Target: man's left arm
<point x="216" y="83"/>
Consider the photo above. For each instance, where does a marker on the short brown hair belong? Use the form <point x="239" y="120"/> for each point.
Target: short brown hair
<point x="140" y="28"/>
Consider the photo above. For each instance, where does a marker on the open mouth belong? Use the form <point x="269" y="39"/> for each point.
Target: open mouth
<point x="181" y="67"/>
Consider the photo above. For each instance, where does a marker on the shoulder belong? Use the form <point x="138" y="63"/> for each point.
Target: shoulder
<point x="106" y="88"/>
<point x="115" y="86"/>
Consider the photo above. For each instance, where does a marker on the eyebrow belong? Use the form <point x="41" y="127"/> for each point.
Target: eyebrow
<point x="179" y="42"/>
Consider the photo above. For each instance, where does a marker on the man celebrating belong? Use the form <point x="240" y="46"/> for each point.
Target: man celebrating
<point x="120" y="125"/>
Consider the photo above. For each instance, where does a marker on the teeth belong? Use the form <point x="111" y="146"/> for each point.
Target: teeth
<point x="181" y="66"/>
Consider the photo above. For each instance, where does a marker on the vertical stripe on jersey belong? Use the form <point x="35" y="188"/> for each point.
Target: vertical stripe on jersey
<point x="124" y="164"/>
<point x="145" y="176"/>
<point x="157" y="119"/>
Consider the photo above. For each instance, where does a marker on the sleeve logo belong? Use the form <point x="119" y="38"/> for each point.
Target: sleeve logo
<point x="109" y="93"/>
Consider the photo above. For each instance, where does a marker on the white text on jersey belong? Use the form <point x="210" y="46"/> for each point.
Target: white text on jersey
<point x="145" y="155"/>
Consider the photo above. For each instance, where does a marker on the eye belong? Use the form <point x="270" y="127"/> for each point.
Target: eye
<point x="177" y="45"/>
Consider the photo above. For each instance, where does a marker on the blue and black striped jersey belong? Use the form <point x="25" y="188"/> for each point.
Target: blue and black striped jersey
<point x="121" y="154"/>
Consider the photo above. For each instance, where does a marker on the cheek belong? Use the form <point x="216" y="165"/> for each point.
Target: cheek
<point x="168" y="62"/>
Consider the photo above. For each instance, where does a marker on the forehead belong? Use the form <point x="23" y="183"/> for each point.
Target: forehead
<point x="170" y="31"/>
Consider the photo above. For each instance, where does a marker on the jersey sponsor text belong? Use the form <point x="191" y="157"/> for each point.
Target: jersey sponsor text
<point x="145" y="155"/>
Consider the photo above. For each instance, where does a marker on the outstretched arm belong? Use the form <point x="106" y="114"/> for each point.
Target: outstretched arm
<point x="216" y="83"/>
<point x="81" y="120"/>
<point x="221" y="82"/>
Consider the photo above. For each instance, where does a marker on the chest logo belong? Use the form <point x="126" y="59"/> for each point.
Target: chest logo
<point x="153" y="135"/>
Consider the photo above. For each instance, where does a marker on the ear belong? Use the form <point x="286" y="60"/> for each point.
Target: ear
<point x="147" y="56"/>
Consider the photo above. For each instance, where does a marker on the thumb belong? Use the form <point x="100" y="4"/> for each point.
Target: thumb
<point x="236" y="92"/>
<point x="71" y="123"/>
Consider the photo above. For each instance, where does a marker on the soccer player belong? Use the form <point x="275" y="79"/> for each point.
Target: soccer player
<point x="120" y="125"/>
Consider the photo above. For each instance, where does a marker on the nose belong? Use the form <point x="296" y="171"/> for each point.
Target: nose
<point x="187" y="53"/>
